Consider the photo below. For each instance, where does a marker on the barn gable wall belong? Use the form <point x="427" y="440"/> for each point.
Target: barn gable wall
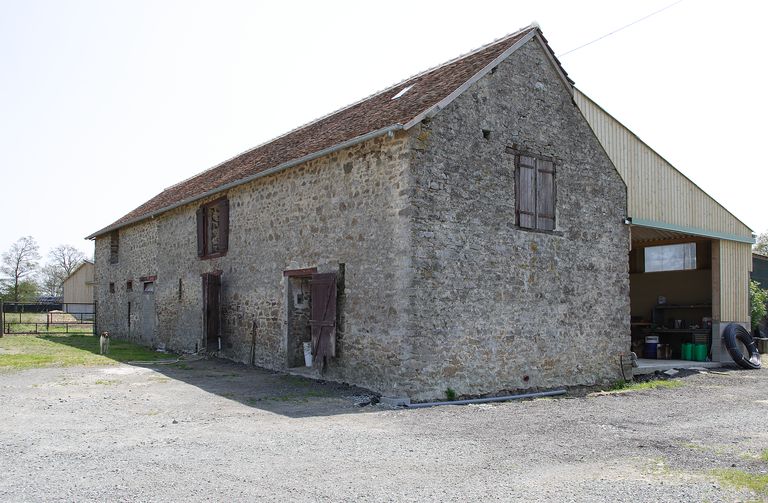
<point x="495" y="306"/>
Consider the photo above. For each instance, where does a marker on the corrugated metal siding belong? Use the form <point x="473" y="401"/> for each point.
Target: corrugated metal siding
<point x="655" y="189"/>
<point x="78" y="288"/>
<point x="735" y="266"/>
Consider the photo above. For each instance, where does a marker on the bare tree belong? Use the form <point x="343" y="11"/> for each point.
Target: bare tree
<point x="66" y="258"/>
<point x="19" y="262"/>
<point x="51" y="280"/>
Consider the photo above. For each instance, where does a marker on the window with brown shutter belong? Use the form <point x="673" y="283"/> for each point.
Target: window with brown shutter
<point x="535" y="192"/>
<point x="114" y="247"/>
<point x="213" y="228"/>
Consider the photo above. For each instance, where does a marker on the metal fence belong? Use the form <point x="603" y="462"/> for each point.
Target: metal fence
<point x="45" y="318"/>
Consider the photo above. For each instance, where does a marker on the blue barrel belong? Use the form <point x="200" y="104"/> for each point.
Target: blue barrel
<point x="651" y="345"/>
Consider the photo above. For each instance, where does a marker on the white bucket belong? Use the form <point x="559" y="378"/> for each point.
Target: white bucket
<point x="308" y="354"/>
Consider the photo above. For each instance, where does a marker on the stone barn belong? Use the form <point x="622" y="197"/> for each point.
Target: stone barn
<point x="462" y="229"/>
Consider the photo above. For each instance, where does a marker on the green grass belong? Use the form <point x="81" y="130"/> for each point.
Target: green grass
<point x="743" y="480"/>
<point x="626" y="387"/>
<point x="28" y="351"/>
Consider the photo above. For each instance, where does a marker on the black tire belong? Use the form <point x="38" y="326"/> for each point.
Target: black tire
<point x="734" y="332"/>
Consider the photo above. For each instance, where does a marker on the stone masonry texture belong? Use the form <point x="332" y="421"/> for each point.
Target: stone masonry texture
<point x="496" y="307"/>
<point x="440" y="288"/>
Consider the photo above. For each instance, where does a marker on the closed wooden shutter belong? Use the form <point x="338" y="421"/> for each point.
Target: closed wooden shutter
<point x="526" y="192"/>
<point x="201" y="232"/>
<point x="224" y="225"/>
<point x="535" y="193"/>
<point x="323" y="322"/>
<point x="545" y="195"/>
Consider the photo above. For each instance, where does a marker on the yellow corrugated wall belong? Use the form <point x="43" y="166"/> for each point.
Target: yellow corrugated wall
<point x="656" y="191"/>
<point x="735" y="266"/>
<point x="78" y="288"/>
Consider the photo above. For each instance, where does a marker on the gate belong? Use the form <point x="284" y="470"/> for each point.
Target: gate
<point x="47" y="319"/>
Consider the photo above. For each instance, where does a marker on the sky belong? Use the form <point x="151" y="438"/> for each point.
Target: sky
<point x="105" y="103"/>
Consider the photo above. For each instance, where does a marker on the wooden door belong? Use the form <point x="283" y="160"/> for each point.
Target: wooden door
<point x="212" y="310"/>
<point x="148" y="311"/>
<point x="323" y="322"/>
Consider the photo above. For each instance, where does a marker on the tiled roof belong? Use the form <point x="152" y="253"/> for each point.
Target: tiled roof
<point x="374" y="113"/>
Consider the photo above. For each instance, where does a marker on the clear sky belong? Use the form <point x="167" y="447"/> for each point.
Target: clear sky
<point x="105" y="103"/>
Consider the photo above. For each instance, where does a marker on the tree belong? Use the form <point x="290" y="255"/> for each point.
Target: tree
<point x="761" y="246"/>
<point x="27" y="291"/>
<point x="758" y="300"/>
<point x="66" y="258"/>
<point x="51" y="280"/>
<point x="18" y="264"/>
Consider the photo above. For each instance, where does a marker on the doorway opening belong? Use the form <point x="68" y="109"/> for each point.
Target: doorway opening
<point x="671" y="292"/>
<point x="212" y="311"/>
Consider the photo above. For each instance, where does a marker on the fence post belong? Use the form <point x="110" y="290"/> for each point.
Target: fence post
<point x="2" y="318"/>
<point x="95" y="317"/>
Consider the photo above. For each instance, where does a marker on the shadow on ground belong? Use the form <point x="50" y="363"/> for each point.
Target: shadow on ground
<point x="276" y="392"/>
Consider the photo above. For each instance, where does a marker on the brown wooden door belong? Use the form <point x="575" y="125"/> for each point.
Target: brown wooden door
<point x="212" y="310"/>
<point x="323" y="322"/>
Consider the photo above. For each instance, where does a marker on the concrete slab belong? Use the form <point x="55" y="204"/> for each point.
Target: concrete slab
<point x="649" y="366"/>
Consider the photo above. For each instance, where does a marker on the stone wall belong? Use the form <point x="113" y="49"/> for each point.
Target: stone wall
<point x="346" y="210"/>
<point x="137" y="258"/>
<point x="497" y="307"/>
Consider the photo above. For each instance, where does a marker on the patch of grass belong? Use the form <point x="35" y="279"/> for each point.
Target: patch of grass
<point x="29" y="351"/>
<point x="296" y="381"/>
<point x="743" y="480"/>
<point x="105" y="382"/>
<point x="625" y="387"/>
<point x="450" y="394"/>
<point x="764" y="456"/>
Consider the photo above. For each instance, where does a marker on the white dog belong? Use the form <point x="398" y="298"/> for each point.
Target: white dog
<point x="104" y="343"/>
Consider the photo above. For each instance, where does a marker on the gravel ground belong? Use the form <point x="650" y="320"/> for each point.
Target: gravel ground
<point x="219" y="431"/>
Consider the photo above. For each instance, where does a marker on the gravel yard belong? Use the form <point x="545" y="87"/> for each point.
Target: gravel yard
<point x="219" y="431"/>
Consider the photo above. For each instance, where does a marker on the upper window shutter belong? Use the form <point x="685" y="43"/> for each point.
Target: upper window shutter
<point x="224" y="225"/>
<point x="526" y="192"/>
<point x="545" y="195"/>
<point x="201" y="232"/>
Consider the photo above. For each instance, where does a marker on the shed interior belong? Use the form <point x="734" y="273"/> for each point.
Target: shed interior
<point x="671" y="292"/>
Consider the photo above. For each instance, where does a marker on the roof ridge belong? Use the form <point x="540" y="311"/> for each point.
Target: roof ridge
<point x="532" y="26"/>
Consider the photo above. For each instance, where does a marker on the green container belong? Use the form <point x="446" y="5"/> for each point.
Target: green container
<point x="686" y="353"/>
<point x="700" y="352"/>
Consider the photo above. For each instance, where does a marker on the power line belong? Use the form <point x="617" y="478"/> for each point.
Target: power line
<point x="619" y="29"/>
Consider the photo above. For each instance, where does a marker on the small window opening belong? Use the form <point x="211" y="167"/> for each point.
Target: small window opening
<point x="676" y="257"/>
<point x="402" y="92"/>
<point x="129" y="286"/>
<point x="180" y="289"/>
<point x="487" y="134"/>
<point x="111" y="288"/>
